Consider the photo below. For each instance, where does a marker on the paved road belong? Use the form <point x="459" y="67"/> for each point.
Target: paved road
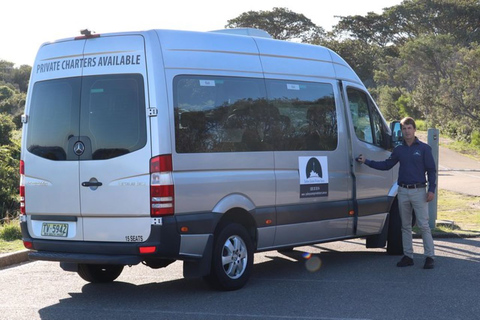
<point x="351" y="283"/>
<point x="456" y="172"/>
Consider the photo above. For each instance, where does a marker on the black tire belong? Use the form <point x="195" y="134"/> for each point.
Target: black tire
<point x="394" y="238"/>
<point x="232" y="258"/>
<point x="99" y="273"/>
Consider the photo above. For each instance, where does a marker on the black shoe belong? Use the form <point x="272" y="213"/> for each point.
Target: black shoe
<point x="429" y="263"/>
<point x="405" y="262"/>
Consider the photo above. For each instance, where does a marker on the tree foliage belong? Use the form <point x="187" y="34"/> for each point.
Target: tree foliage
<point x="13" y="87"/>
<point x="414" y="18"/>
<point x="428" y="62"/>
<point x="280" y="23"/>
<point x="16" y="78"/>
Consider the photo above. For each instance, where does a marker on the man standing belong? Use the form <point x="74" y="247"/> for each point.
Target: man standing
<point x="415" y="159"/>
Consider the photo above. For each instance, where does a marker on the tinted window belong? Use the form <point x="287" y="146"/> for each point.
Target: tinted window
<point x="53" y="117"/>
<point x="359" y="110"/>
<point x="113" y="114"/>
<point x="368" y="123"/>
<point x="220" y="114"/>
<point x="106" y="113"/>
<point x="227" y="114"/>
<point x="307" y="113"/>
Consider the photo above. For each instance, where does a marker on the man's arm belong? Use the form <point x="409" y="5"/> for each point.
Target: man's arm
<point x="380" y="165"/>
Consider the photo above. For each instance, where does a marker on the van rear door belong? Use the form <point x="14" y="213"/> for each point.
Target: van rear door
<point x="114" y="169"/>
<point x="87" y="148"/>
<point x="51" y="179"/>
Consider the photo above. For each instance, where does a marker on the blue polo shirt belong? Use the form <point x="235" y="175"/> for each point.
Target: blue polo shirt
<point x="415" y="161"/>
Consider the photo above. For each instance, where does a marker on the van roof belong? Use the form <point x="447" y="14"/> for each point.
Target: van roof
<point x="318" y="61"/>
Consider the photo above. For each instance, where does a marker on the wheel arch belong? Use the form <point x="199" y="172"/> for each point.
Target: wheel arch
<point x="237" y="208"/>
<point x="241" y="217"/>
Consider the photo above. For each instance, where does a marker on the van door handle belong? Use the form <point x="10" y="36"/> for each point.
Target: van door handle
<point x="91" y="184"/>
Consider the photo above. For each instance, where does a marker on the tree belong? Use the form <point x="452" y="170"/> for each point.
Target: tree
<point x="16" y="78"/>
<point x="12" y="103"/>
<point x="9" y="163"/>
<point x="6" y="71"/>
<point x="21" y="76"/>
<point x="280" y="23"/>
<point x="6" y="129"/>
<point x="414" y="18"/>
<point x="426" y="62"/>
<point x="372" y="29"/>
<point x="436" y="79"/>
<point x="359" y="55"/>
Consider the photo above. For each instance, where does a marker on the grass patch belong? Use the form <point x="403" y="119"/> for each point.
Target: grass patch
<point x="463" y="210"/>
<point x="10" y="230"/>
<point x="10" y="237"/>
<point x="11" y="246"/>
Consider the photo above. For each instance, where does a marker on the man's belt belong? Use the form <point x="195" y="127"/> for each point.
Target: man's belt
<point x="413" y="186"/>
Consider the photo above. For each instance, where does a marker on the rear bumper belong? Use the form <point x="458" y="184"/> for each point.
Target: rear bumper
<point x="170" y="244"/>
<point x="84" y="258"/>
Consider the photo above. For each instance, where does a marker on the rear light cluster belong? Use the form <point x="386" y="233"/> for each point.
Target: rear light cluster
<point x="161" y="186"/>
<point x="22" y="187"/>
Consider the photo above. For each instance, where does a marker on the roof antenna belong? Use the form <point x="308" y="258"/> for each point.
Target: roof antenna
<point x="86" y="32"/>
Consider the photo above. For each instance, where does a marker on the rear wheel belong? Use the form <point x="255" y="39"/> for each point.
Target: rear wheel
<point x="99" y="273"/>
<point x="232" y="258"/>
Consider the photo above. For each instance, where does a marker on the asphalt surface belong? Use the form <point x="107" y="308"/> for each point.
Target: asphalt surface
<point x="341" y="280"/>
<point x="456" y="172"/>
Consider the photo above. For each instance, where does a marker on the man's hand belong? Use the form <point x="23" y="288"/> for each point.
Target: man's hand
<point x="430" y="196"/>
<point x="361" y="158"/>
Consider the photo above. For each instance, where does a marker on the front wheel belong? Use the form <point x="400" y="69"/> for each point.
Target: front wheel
<point x="99" y="273"/>
<point x="232" y="258"/>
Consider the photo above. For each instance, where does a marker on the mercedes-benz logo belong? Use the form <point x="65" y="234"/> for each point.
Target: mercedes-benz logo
<point x="78" y="148"/>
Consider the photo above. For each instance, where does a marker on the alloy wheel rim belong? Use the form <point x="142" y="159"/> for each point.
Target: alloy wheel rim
<point x="234" y="257"/>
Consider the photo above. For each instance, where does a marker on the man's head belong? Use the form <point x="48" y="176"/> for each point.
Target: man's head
<point x="408" y="129"/>
<point x="408" y="120"/>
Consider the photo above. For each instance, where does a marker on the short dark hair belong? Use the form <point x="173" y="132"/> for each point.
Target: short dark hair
<point x="408" y="120"/>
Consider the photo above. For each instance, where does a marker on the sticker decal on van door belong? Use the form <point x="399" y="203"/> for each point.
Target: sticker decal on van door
<point x="313" y="176"/>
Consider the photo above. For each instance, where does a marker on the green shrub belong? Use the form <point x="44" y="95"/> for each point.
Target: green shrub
<point x="475" y="139"/>
<point x="421" y="125"/>
<point x="10" y="231"/>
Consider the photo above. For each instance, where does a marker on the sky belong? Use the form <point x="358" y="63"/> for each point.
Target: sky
<point x="26" y="24"/>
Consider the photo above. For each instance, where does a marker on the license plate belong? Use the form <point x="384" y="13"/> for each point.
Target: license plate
<point x="54" y="229"/>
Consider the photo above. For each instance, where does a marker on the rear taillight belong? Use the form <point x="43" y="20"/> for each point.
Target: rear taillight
<point x="161" y="186"/>
<point x="28" y="244"/>
<point x="22" y="187"/>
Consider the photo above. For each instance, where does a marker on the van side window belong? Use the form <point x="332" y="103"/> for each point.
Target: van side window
<point x="229" y="114"/>
<point x="368" y="124"/>
<point x="358" y="103"/>
<point x="218" y="114"/>
<point x="307" y="113"/>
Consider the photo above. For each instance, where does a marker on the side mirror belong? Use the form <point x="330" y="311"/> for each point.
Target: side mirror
<point x="397" y="135"/>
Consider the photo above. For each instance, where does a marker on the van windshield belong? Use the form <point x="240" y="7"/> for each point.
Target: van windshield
<point x="105" y="113"/>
